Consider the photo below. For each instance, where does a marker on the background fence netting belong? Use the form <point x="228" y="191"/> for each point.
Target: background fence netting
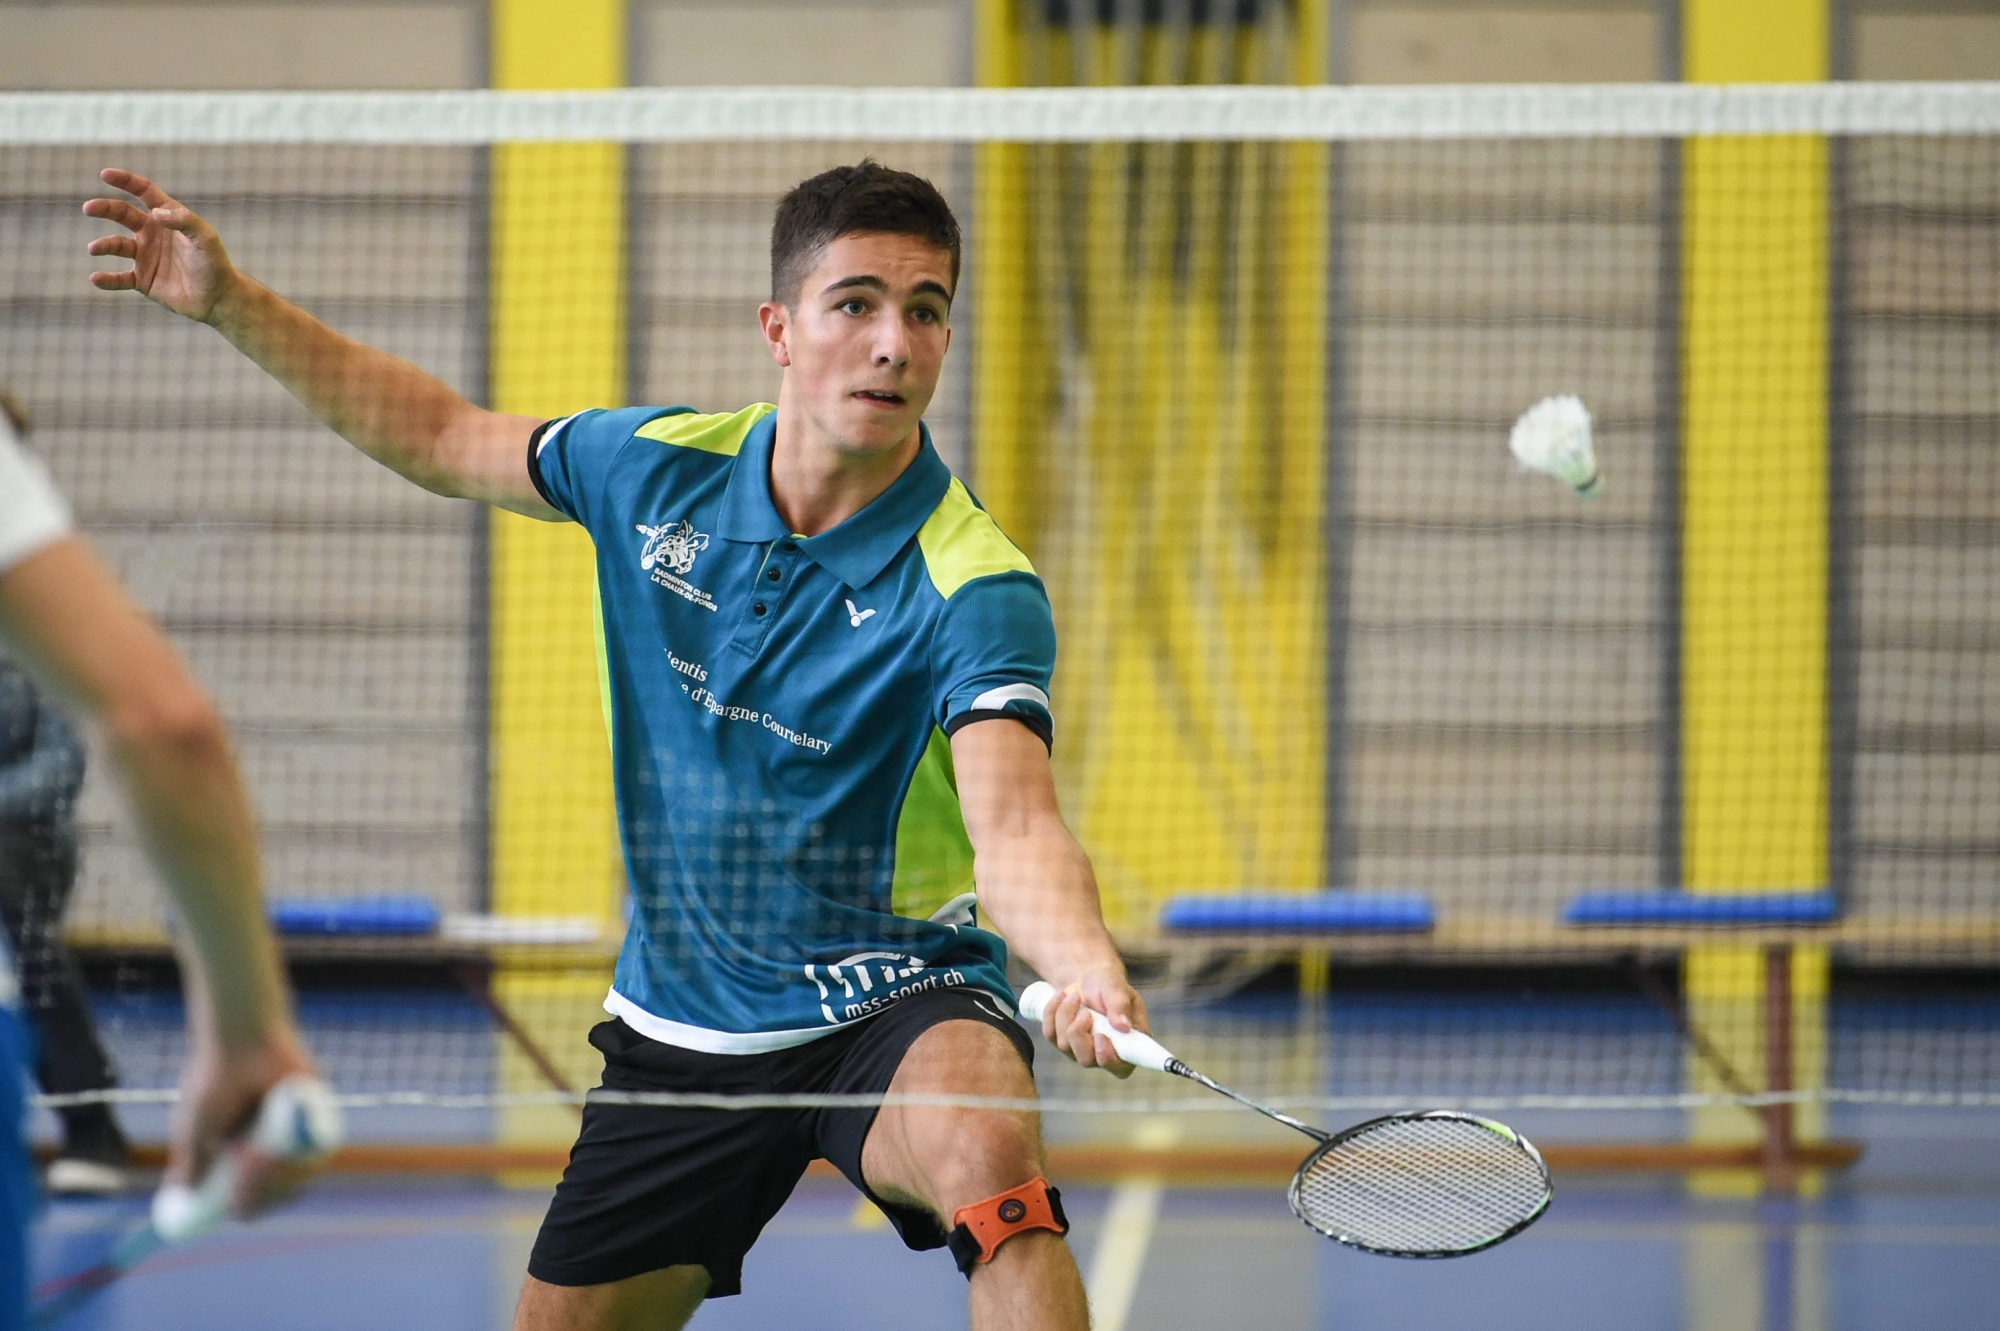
<point x="1237" y="373"/>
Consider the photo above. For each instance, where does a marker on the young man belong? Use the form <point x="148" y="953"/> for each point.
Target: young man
<point x="827" y="672"/>
<point x="65" y="618"/>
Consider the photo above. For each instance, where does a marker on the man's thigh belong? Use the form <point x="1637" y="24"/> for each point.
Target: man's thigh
<point x="945" y="1157"/>
<point x="656" y="1301"/>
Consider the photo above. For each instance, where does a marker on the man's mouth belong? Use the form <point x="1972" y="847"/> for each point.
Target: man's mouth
<point x="881" y="398"/>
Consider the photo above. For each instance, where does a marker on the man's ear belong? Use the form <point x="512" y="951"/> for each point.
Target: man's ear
<point x="776" y="321"/>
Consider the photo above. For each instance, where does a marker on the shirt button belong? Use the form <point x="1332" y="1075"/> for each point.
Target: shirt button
<point x="774" y="575"/>
<point x="758" y="609"/>
<point x="790" y="547"/>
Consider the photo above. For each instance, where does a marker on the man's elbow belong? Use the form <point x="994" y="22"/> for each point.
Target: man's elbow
<point x="170" y="725"/>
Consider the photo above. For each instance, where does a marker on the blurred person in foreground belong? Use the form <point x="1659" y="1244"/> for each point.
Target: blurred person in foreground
<point x="41" y="775"/>
<point x="827" y="670"/>
<point x="67" y="621"/>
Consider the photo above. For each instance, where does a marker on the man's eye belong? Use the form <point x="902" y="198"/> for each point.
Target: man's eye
<point x="927" y="315"/>
<point x="855" y="306"/>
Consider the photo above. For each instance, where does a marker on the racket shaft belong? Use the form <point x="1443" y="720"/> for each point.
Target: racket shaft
<point x="1142" y="1050"/>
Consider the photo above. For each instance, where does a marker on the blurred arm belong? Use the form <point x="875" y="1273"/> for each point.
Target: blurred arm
<point x="67" y="620"/>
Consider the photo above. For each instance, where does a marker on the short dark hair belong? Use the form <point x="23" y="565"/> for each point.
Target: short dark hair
<point x="10" y="410"/>
<point x="849" y="199"/>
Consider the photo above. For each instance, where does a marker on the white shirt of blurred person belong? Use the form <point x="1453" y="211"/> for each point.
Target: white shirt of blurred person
<point x="66" y="619"/>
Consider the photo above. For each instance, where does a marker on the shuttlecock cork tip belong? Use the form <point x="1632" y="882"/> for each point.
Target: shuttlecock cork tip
<point x="1553" y="437"/>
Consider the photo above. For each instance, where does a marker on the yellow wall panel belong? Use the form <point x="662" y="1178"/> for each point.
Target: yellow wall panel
<point x="1150" y="403"/>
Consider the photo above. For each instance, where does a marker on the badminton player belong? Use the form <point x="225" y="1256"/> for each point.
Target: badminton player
<point x="827" y="674"/>
<point x="65" y="618"/>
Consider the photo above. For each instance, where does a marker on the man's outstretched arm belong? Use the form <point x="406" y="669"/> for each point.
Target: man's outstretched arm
<point x="1036" y="885"/>
<point x="404" y="418"/>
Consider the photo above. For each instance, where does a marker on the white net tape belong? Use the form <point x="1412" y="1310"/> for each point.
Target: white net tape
<point x="1027" y="115"/>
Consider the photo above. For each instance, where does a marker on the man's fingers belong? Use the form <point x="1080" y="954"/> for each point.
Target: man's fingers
<point x="263" y="1180"/>
<point x="134" y="183"/>
<point x="116" y="211"/>
<point x="118" y="247"/>
<point x="125" y="281"/>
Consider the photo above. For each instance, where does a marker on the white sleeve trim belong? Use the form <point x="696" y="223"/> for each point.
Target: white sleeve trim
<point x="32" y="511"/>
<point x="994" y="700"/>
<point x="541" y="445"/>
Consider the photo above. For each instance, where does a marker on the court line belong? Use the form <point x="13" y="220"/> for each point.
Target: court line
<point x="1128" y="1232"/>
<point x="1121" y="1252"/>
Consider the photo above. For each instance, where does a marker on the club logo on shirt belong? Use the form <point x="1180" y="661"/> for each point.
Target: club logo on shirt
<point x="669" y="553"/>
<point x="675" y="546"/>
<point x="861" y="994"/>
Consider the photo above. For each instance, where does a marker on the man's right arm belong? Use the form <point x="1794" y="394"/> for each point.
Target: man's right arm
<point x="406" y="419"/>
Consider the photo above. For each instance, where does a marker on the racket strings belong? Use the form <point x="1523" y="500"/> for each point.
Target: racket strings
<point x="1423" y="1186"/>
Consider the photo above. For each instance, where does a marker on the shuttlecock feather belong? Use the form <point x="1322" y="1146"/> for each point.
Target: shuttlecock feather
<point x="1553" y="437"/>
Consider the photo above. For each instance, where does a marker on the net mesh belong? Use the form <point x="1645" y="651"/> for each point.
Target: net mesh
<point x="1236" y="372"/>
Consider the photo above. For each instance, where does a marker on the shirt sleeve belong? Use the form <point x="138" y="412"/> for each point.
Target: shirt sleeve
<point x="570" y="458"/>
<point x="994" y="653"/>
<point x="32" y="511"/>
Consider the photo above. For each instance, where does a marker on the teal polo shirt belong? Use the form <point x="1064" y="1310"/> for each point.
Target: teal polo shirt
<point x="780" y="710"/>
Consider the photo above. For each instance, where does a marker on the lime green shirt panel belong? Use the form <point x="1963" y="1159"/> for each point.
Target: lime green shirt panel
<point x="603" y="659"/>
<point x="722" y="434"/>
<point x="961" y="542"/>
<point x="933" y="853"/>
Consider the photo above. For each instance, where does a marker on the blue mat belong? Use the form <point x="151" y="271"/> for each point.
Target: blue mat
<point x="1323" y="912"/>
<point x="1686" y="908"/>
<point x="355" y="916"/>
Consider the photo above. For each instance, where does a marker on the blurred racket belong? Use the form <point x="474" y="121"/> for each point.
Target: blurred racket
<point x="1431" y="1184"/>
<point x="299" y="1120"/>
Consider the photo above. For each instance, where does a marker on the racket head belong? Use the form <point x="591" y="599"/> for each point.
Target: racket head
<point x="1433" y="1184"/>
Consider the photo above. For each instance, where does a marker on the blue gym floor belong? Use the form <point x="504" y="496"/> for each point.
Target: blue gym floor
<point x="1911" y="1239"/>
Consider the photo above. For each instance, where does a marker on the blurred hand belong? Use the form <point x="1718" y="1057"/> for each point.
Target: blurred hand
<point x="177" y="259"/>
<point x="220" y="1096"/>
<point x="1067" y="1021"/>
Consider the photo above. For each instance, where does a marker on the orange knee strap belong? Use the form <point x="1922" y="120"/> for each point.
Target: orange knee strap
<point x="983" y="1226"/>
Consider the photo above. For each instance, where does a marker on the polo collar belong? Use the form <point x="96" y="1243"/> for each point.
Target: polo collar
<point x="858" y="549"/>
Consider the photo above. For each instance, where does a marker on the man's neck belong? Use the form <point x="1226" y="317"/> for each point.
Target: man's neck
<point x="816" y="485"/>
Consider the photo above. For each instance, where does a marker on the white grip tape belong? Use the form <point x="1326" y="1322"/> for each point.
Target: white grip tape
<point x="299" y="1120"/>
<point x="1135" y="1047"/>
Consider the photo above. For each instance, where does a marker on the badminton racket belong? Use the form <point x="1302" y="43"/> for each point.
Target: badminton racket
<point x="1432" y="1184"/>
<point x="299" y="1121"/>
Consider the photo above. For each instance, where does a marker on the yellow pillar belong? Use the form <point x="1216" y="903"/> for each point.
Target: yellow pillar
<point x="558" y="346"/>
<point x="1754" y="573"/>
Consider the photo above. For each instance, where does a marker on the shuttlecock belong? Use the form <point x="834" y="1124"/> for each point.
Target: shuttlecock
<point x="1553" y="437"/>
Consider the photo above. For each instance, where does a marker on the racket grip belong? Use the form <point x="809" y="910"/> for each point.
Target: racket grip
<point x="1135" y="1047"/>
<point x="299" y="1120"/>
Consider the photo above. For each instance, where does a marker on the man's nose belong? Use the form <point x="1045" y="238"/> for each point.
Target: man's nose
<point x="892" y="344"/>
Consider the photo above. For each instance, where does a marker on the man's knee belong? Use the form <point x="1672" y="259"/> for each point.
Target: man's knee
<point x="977" y="1154"/>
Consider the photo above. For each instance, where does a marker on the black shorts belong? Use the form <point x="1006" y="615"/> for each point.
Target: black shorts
<point x="650" y="1187"/>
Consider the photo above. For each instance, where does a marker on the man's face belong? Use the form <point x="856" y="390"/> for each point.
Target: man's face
<point x="863" y="339"/>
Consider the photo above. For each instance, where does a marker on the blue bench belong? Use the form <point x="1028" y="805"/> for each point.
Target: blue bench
<point x="355" y="917"/>
<point x="1633" y="907"/>
<point x="1295" y="913"/>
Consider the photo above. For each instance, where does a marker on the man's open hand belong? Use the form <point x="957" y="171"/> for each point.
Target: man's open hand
<point x="1067" y="1021"/>
<point x="177" y="259"/>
